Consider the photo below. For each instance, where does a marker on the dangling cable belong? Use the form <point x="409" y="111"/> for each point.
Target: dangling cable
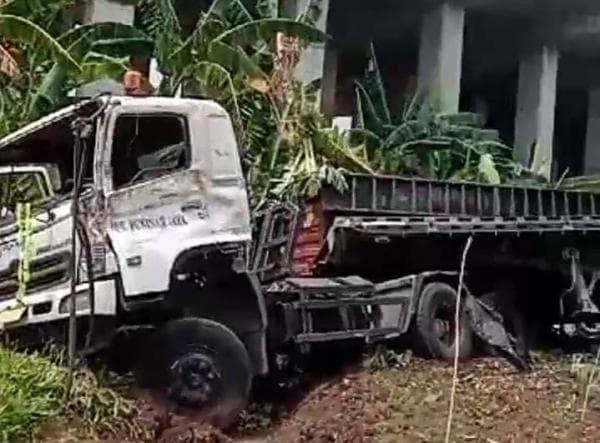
<point x="79" y="126"/>
<point x="72" y="334"/>
<point x="85" y="240"/>
<point x="86" y="246"/>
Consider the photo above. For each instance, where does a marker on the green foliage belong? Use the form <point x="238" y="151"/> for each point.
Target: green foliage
<point x="32" y="391"/>
<point x="312" y="152"/>
<point x="230" y="56"/>
<point x="99" y="50"/>
<point x="25" y="31"/>
<point x="226" y="35"/>
<point x="422" y="142"/>
<point x="56" y="58"/>
<point x="27" y="26"/>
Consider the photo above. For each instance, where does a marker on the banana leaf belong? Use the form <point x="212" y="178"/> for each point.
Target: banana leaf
<point x="22" y="30"/>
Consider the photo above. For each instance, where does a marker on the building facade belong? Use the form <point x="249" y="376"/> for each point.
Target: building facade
<point x="531" y="67"/>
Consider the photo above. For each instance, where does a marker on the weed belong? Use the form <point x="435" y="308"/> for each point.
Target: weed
<point x="32" y="391"/>
<point x="381" y="357"/>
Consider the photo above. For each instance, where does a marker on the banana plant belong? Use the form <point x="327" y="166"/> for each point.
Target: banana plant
<point x="227" y="37"/>
<point x="99" y="49"/>
<point x="28" y="46"/>
<point x="421" y="142"/>
<point x="51" y="66"/>
<point x="301" y="152"/>
<point x="21" y="30"/>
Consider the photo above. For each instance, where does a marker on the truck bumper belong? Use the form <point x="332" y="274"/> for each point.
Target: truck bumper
<point x="53" y="304"/>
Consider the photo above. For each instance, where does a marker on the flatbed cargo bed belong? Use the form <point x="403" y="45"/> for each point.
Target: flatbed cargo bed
<point x="423" y="205"/>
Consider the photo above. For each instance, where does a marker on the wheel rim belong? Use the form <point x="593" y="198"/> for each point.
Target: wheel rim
<point x="444" y="324"/>
<point x="195" y="379"/>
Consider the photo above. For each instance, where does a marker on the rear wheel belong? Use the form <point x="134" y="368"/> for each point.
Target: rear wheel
<point x="201" y="365"/>
<point x="434" y="324"/>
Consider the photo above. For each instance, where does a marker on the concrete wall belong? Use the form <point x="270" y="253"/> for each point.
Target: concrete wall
<point x="109" y="11"/>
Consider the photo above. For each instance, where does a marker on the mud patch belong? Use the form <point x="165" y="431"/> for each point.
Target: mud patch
<point x="340" y="409"/>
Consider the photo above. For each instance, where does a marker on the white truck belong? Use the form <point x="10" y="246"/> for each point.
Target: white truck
<point x="172" y="267"/>
<point x="162" y="191"/>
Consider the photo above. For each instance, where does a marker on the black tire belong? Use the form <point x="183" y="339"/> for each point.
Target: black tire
<point x="192" y="342"/>
<point x="439" y="298"/>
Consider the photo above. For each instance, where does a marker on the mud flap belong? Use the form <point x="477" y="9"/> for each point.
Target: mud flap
<point x="488" y="325"/>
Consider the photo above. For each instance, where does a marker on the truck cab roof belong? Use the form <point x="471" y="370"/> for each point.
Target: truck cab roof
<point x="88" y="107"/>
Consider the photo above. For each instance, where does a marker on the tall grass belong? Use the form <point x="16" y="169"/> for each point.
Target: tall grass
<point x="32" y="391"/>
<point x="586" y="370"/>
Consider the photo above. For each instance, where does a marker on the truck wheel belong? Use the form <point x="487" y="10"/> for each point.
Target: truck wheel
<point x="203" y="365"/>
<point x="434" y="326"/>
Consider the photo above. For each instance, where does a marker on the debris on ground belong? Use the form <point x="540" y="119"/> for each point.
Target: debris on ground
<point x="337" y="410"/>
<point x="494" y="403"/>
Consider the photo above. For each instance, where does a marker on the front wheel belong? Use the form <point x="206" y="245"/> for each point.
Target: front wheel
<point x="434" y="324"/>
<point x="203" y="365"/>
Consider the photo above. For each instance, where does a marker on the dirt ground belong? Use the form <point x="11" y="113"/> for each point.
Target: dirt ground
<point x="407" y="402"/>
<point x="493" y="403"/>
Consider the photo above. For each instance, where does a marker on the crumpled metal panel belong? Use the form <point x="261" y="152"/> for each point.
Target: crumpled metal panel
<point x="488" y="325"/>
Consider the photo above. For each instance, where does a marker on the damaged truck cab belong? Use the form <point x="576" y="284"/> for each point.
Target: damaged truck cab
<point x="163" y="215"/>
<point x="200" y="294"/>
<point x="162" y="183"/>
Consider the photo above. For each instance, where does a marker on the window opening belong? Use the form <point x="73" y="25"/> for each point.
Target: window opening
<point x="146" y="147"/>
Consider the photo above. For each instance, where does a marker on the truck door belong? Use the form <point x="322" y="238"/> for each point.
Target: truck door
<point x="156" y="190"/>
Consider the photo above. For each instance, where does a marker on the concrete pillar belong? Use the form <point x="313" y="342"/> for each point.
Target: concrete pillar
<point x="98" y="11"/>
<point x="536" y="102"/>
<point x="318" y="61"/>
<point x="329" y="80"/>
<point x="440" y="56"/>
<point x="591" y="163"/>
